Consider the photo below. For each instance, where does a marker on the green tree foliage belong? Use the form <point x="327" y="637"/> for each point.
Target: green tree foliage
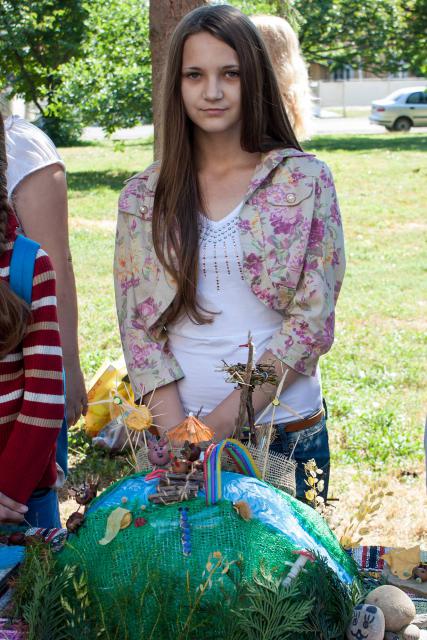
<point x="37" y="38"/>
<point x="111" y="81"/>
<point x="370" y="33"/>
<point x="365" y="34"/>
<point x="415" y="35"/>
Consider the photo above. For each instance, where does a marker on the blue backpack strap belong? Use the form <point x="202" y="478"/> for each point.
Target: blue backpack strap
<point x="22" y="267"/>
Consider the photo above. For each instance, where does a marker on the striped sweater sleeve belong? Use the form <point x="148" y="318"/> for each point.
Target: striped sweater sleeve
<point x="29" y="455"/>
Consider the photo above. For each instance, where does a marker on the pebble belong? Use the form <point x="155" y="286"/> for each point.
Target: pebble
<point x="396" y="605"/>
<point x="367" y="623"/>
<point x="411" y="632"/>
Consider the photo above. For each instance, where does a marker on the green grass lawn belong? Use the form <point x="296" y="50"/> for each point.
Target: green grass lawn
<point x="375" y="376"/>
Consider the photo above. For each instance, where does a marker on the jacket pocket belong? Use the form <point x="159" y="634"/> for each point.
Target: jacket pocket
<point x="289" y="196"/>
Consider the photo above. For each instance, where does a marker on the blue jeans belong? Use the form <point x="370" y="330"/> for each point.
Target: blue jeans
<point x="312" y="443"/>
<point x="43" y="510"/>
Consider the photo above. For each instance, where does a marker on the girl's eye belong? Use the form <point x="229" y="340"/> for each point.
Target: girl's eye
<point x="193" y="75"/>
<point x="232" y="74"/>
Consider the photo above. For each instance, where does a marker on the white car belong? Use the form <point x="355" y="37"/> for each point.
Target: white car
<point x="401" y="110"/>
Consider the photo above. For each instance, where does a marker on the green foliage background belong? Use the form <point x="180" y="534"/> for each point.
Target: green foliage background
<point x="111" y="80"/>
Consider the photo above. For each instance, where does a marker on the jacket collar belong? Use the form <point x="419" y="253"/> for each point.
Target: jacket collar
<point x="269" y="161"/>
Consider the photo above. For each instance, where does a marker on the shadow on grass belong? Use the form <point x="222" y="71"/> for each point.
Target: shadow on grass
<point x="116" y="145"/>
<point x="369" y="142"/>
<point x="91" y="180"/>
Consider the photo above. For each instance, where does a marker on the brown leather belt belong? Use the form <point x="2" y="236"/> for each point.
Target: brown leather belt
<point x="305" y="423"/>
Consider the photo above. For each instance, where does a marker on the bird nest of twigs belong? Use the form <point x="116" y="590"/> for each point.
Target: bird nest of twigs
<point x="261" y="374"/>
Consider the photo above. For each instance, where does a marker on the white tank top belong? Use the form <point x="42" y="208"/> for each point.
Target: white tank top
<point x="28" y="149"/>
<point x="200" y="349"/>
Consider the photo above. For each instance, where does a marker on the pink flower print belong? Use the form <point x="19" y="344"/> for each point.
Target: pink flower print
<point x="281" y="224"/>
<point x="311" y="265"/>
<point x="148" y="307"/>
<point x="133" y="225"/>
<point x="253" y="264"/>
<point x="335" y="214"/>
<point x="317" y="234"/>
<point x="302" y="329"/>
<point x="289" y="342"/>
<point x="244" y="226"/>
<point x="326" y="178"/>
<point x="300" y="366"/>
<point x="141" y="354"/>
<point x="335" y="259"/>
<point x="275" y="194"/>
<point x="328" y="331"/>
<point x="296" y="176"/>
<point x="125" y="285"/>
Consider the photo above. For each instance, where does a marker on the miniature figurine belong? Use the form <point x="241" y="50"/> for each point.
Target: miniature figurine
<point x="180" y="466"/>
<point x="158" y="451"/>
<point x="420" y="573"/>
<point x="191" y="451"/>
<point x="85" y="493"/>
<point x="74" y="521"/>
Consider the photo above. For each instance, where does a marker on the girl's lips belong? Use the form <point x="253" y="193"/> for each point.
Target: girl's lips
<point x="214" y="111"/>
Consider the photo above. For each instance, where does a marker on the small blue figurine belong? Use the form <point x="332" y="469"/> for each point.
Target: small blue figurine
<point x="185" y="531"/>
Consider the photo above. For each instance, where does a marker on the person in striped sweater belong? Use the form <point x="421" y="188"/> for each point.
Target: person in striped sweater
<point x="31" y="384"/>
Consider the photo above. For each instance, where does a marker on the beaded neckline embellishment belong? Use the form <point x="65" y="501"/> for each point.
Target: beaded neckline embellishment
<point x="219" y="243"/>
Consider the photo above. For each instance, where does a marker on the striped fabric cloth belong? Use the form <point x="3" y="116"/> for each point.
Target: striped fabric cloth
<point x="31" y="391"/>
<point x="369" y="558"/>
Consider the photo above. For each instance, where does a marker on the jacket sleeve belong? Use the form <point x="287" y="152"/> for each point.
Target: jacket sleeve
<point x="307" y="330"/>
<point x="149" y="362"/>
<point x="32" y="442"/>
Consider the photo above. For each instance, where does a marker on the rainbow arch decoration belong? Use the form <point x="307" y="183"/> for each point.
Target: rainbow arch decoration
<point x="212" y="466"/>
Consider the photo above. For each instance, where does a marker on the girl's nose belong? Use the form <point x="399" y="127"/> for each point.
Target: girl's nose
<point x="213" y="90"/>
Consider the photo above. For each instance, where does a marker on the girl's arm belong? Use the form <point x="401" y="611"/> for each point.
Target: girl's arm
<point x="307" y="330"/>
<point x="31" y="445"/>
<point x="40" y="201"/>
<point x="167" y="407"/>
<point x="150" y="364"/>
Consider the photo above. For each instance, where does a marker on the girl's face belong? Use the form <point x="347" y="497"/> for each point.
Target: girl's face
<point x="210" y="85"/>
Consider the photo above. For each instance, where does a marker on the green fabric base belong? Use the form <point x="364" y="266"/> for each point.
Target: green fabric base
<point x="143" y="579"/>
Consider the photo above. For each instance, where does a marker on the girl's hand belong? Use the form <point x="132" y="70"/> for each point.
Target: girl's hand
<point x="76" y="395"/>
<point x="11" y="511"/>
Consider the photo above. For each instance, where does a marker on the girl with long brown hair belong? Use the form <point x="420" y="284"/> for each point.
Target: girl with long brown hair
<point x="31" y="387"/>
<point x="236" y="228"/>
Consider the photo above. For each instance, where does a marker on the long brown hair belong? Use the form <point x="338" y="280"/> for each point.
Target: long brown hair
<point x="14" y="312"/>
<point x="265" y="126"/>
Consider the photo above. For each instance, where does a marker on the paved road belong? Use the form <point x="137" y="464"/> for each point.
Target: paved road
<point x="328" y="125"/>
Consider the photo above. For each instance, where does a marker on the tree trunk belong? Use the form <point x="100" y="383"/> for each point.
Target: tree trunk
<point x="164" y="16"/>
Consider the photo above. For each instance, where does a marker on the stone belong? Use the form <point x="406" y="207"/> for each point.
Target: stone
<point x="411" y="632"/>
<point x="420" y="620"/>
<point x="396" y="605"/>
<point x="367" y="623"/>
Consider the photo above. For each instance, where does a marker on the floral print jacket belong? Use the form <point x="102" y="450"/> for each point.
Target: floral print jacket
<point x="293" y="248"/>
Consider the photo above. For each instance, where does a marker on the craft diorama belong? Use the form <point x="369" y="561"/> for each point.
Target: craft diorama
<point x="203" y="540"/>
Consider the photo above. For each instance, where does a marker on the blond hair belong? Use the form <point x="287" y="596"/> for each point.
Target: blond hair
<point x="290" y="68"/>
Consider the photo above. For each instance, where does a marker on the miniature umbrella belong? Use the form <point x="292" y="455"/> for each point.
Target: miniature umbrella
<point x="190" y="429"/>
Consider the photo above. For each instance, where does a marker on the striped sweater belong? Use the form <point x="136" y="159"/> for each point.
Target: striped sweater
<point x="31" y="391"/>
